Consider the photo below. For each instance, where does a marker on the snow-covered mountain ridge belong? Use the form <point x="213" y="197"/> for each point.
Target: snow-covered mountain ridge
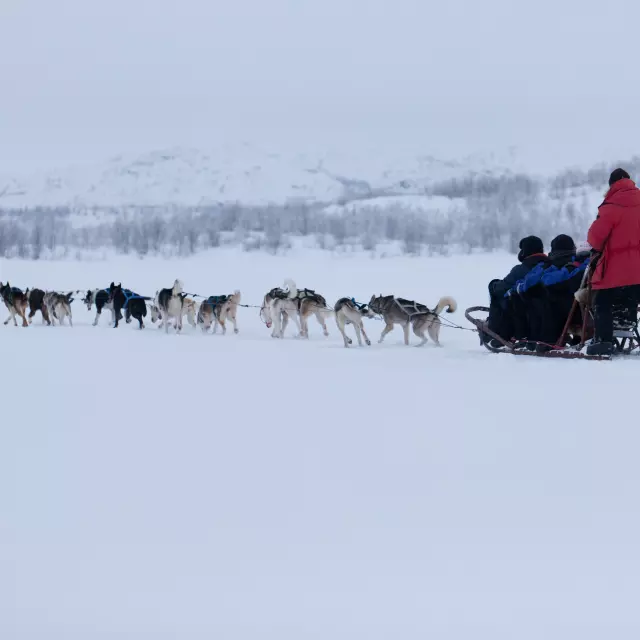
<point x="248" y="175"/>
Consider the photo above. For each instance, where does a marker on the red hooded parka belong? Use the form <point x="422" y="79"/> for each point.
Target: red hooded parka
<point x="616" y="233"/>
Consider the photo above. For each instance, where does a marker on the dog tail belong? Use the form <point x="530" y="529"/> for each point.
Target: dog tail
<point x="448" y="302"/>
<point x="290" y="285"/>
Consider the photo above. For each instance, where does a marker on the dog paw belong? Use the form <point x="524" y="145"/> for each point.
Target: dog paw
<point x="368" y="342"/>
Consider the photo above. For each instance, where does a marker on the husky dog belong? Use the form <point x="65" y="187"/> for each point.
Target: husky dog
<point x="16" y="301"/>
<point x="348" y="311"/>
<point x="133" y="304"/>
<point x="277" y="309"/>
<point x="100" y="297"/>
<point x="36" y="303"/>
<point x="188" y="309"/>
<point x="409" y="313"/>
<point x="217" y="310"/>
<point x="309" y="303"/>
<point x="59" y="306"/>
<point x="169" y="303"/>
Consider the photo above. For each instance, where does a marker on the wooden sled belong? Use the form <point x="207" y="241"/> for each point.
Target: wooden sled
<point x="568" y="353"/>
<point x="626" y="338"/>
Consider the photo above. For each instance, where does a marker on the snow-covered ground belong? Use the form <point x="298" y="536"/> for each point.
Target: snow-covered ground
<point x="241" y="487"/>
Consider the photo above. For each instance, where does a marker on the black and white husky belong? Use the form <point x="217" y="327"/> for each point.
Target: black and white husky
<point x="276" y="310"/>
<point x="100" y="297"/>
<point x="133" y="304"/>
<point x="169" y="303"/>
<point x="189" y="308"/>
<point x="348" y="311"/>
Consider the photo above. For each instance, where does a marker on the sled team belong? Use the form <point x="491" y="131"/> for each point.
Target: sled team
<point x="280" y="305"/>
<point x="531" y="304"/>
<point x="529" y="307"/>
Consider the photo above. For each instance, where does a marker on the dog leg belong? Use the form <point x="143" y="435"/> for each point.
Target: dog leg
<point x="357" y="327"/>
<point x="434" y="332"/>
<point x="234" y="323"/>
<point x="366" y="337"/>
<point x="419" y="331"/>
<point x="405" y="330"/>
<point x="340" y="323"/>
<point x="304" y="327"/>
<point x="388" y="329"/>
<point x="278" y="330"/>
<point x="323" y="324"/>
<point x="297" y="321"/>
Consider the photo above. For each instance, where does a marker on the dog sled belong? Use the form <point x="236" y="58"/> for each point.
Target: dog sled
<point x="577" y="332"/>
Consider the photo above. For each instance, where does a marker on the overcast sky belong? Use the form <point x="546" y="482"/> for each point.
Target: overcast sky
<point x="85" y="79"/>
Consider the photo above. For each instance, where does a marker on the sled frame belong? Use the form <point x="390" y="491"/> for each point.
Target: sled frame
<point x="566" y="353"/>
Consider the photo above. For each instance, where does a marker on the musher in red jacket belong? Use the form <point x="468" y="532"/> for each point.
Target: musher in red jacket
<point x="616" y="235"/>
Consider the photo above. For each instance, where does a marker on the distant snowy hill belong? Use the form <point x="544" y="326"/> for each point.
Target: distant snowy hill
<point x="244" y="174"/>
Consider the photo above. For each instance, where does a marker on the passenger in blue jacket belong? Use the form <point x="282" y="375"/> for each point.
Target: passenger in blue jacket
<point x="559" y="282"/>
<point x="501" y="313"/>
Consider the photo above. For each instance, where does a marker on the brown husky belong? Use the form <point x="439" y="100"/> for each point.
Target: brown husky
<point x="217" y="310"/>
<point x="16" y="301"/>
<point x="408" y="313"/>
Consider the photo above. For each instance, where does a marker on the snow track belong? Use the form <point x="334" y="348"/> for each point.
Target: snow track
<point x="241" y="487"/>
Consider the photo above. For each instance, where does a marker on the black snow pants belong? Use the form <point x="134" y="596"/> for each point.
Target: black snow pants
<point x="622" y="300"/>
<point x="500" y="317"/>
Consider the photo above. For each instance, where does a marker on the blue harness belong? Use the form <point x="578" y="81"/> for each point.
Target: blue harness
<point x="130" y="295"/>
<point x="214" y="301"/>
<point x="359" y="305"/>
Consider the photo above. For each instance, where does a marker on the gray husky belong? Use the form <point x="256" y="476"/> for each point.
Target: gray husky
<point x="409" y="313"/>
<point x="59" y="306"/>
<point x="348" y="311"/>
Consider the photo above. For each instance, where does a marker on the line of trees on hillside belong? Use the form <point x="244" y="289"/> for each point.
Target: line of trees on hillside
<point x="490" y="213"/>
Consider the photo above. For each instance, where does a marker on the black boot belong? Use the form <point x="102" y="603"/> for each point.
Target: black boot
<point x="600" y="349"/>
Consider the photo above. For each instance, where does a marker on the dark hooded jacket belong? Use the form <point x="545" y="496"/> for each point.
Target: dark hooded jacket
<point x="531" y="254"/>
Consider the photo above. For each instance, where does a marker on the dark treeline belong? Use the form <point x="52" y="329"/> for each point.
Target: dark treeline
<point x="485" y="213"/>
